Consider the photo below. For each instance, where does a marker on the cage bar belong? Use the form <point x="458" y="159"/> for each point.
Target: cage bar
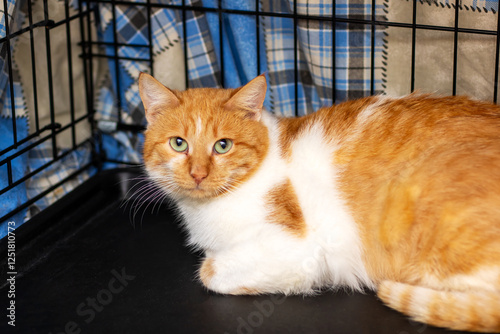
<point x="33" y="67"/>
<point x="413" y="44"/>
<point x="117" y="63"/>
<point x="497" y="59"/>
<point x="334" y="44"/>
<point x="150" y="37"/>
<point x="70" y="75"/>
<point x="11" y="80"/>
<point x="455" y="48"/>
<point x="295" y="57"/>
<point x="221" y="43"/>
<point x="372" y="48"/>
<point x="257" y="30"/>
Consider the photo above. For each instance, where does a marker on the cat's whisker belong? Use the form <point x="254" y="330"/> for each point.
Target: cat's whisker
<point x="150" y="200"/>
<point x="230" y="186"/>
<point x="224" y="189"/>
<point x="136" y="188"/>
<point x="137" y="191"/>
<point x="148" y="190"/>
<point x="136" y="178"/>
<point x="139" y="201"/>
<point x="159" y="202"/>
<point x="140" y="178"/>
<point x="136" y="203"/>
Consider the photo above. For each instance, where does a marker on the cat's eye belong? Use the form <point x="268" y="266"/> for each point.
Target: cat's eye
<point x="178" y="144"/>
<point x="223" y="146"/>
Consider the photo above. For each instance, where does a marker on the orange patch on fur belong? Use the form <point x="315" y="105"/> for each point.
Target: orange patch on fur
<point x="284" y="209"/>
<point x="207" y="271"/>
<point x="290" y="129"/>
<point x="336" y="120"/>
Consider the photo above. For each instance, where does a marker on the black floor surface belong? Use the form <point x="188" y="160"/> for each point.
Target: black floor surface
<point x="85" y="267"/>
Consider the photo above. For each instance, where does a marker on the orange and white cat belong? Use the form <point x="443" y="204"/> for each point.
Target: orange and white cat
<point x="399" y="195"/>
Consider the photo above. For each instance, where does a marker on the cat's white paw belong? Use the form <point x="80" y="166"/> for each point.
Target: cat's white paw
<point x="237" y="278"/>
<point x="217" y="280"/>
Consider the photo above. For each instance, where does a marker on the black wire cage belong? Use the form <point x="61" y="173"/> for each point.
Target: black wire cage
<point x="71" y="134"/>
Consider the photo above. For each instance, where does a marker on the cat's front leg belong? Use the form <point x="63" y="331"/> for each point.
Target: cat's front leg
<point x="216" y="276"/>
<point x="214" y="280"/>
<point x="252" y="270"/>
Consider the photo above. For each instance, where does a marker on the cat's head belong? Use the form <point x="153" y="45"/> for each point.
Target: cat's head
<point x="203" y="142"/>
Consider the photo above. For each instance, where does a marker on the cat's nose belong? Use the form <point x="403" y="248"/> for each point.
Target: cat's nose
<point x="198" y="178"/>
<point x="198" y="174"/>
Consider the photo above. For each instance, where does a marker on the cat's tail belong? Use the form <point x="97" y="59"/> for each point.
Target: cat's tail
<point x="468" y="311"/>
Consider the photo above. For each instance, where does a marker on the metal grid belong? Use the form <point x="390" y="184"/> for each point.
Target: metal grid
<point x="42" y="133"/>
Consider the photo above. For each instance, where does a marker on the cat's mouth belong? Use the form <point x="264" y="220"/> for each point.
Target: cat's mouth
<point x="194" y="190"/>
<point x="206" y="190"/>
<point x="199" y="192"/>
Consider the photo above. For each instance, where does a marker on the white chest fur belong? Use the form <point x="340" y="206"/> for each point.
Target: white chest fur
<point x="233" y="229"/>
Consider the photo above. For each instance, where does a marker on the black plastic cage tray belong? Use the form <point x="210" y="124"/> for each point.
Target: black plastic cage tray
<point x="86" y="265"/>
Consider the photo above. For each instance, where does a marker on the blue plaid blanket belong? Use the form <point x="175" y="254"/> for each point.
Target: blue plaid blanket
<point x="320" y="81"/>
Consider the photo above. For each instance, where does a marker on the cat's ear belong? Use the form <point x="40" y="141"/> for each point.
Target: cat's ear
<point x="250" y="98"/>
<point x="153" y="94"/>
